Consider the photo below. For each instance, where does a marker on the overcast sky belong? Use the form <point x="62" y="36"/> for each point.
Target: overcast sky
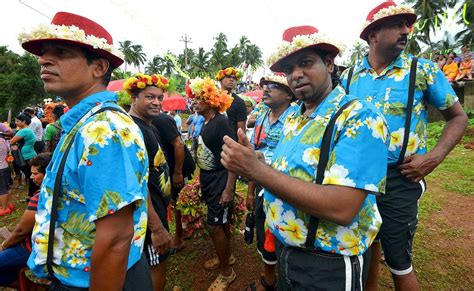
<point x="160" y="25"/>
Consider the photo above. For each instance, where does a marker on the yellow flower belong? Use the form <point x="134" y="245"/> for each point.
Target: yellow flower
<point x="127" y="137"/>
<point x="413" y="143"/>
<point x="97" y="132"/>
<point x="396" y="139"/>
<point x="311" y="156"/>
<point x="337" y="175"/>
<point x="141" y="85"/>
<point x="378" y="128"/>
<point x="348" y="240"/>
<point x="294" y="231"/>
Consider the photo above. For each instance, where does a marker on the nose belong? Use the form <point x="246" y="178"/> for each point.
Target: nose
<point x="44" y="60"/>
<point x="296" y="74"/>
<point x="406" y="29"/>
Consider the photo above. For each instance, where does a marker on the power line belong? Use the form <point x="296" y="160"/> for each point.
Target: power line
<point x="34" y="9"/>
<point x="185" y="39"/>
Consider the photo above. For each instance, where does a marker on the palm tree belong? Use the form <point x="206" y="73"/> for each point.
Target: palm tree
<point x="253" y="57"/>
<point x="200" y="62"/>
<point x="133" y="53"/>
<point x="429" y="12"/>
<point x="219" y="52"/>
<point x="358" y="51"/>
<point x="155" y="65"/>
<point x="466" y="18"/>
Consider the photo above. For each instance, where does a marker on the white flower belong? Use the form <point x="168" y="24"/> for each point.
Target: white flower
<point x="293" y="231"/>
<point x="337" y="175"/>
<point x="378" y="128"/>
<point x="371" y="188"/>
<point x="396" y="139"/>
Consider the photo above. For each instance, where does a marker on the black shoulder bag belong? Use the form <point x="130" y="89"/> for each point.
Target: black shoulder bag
<point x="323" y="161"/>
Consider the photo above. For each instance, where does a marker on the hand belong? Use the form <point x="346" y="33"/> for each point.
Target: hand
<point x="14" y="147"/>
<point x="239" y="158"/>
<point x="416" y="167"/>
<point x="226" y="197"/>
<point x="178" y="180"/>
<point x="161" y="240"/>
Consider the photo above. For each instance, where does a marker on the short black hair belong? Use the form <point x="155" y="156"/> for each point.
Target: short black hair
<point x="29" y="111"/>
<point x="335" y="79"/>
<point x="59" y="110"/>
<point x="24" y="117"/>
<point x="41" y="161"/>
<point x="91" y="56"/>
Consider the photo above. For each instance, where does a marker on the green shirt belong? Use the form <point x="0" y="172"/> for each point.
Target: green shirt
<point x="28" y="150"/>
<point x="51" y="131"/>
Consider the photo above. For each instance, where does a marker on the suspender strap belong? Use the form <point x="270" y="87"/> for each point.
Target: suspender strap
<point x="349" y="78"/>
<point x="411" y="93"/>
<point x="323" y="161"/>
<point x="260" y="129"/>
<point x="57" y="193"/>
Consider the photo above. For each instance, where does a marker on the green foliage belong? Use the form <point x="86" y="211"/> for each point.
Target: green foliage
<point x="20" y="82"/>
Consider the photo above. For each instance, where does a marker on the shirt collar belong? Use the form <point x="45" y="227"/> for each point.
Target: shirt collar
<point x="364" y="65"/>
<point x="70" y="118"/>
<point x="330" y="101"/>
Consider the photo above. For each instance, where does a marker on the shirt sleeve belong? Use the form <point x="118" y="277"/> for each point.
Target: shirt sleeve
<point x="49" y="132"/>
<point x="113" y="166"/>
<point x="439" y="92"/>
<point x="241" y="111"/>
<point x="359" y="153"/>
<point x="167" y="128"/>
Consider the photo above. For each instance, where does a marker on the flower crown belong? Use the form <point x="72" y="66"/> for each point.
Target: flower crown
<point x="389" y="11"/>
<point x="207" y="90"/>
<point x="302" y="41"/>
<point x="141" y="81"/>
<point x="72" y="32"/>
<point x="228" y="72"/>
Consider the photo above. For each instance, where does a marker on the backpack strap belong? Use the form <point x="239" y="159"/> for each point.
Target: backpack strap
<point x="57" y="194"/>
<point x="323" y="161"/>
<point x="260" y="129"/>
<point x="349" y="79"/>
<point x="411" y="93"/>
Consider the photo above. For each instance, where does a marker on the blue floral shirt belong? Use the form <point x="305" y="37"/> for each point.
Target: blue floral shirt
<point x="388" y="91"/>
<point x="106" y="170"/>
<point x="265" y="136"/>
<point x="357" y="159"/>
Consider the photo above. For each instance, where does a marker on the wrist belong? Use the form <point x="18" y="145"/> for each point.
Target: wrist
<point x="2" y="246"/>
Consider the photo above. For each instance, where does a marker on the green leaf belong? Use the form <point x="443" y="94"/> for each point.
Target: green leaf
<point x="382" y="184"/>
<point x="93" y="150"/>
<point x="420" y="82"/>
<point x="313" y="134"/>
<point x="450" y="99"/>
<point x="396" y="108"/>
<point x="60" y="270"/>
<point x="114" y="197"/>
<point x="301" y="174"/>
<point x="103" y="207"/>
<point x="332" y="160"/>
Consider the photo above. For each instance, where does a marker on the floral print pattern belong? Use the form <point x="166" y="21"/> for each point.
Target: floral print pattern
<point x="357" y="159"/>
<point x="103" y="174"/>
<point x="388" y="91"/>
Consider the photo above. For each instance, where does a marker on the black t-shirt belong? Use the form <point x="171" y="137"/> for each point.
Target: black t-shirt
<point x="168" y="131"/>
<point x="159" y="183"/>
<point x="236" y="112"/>
<point x="208" y="154"/>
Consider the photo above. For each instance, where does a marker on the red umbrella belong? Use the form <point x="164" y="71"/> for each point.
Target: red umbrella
<point x="255" y="95"/>
<point x="115" y="85"/>
<point x="173" y="102"/>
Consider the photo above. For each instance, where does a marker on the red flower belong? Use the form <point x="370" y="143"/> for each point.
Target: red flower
<point x="111" y="211"/>
<point x="89" y="163"/>
<point x="86" y="269"/>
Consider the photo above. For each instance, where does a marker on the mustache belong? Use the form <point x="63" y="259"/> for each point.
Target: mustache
<point x="403" y="38"/>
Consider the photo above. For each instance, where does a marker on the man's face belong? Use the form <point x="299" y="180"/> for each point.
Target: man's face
<point x="392" y="35"/>
<point x="275" y="96"/>
<point x="36" y="176"/>
<point x="229" y="83"/>
<point x="308" y="75"/>
<point x="200" y="106"/>
<point x="148" y="102"/>
<point x="64" y="69"/>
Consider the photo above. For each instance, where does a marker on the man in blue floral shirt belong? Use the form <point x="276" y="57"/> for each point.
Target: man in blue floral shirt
<point x="102" y="216"/>
<point x="382" y="78"/>
<point x="324" y="224"/>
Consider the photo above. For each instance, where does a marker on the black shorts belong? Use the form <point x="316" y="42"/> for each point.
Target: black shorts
<point x="399" y="211"/>
<point x="152" y="256"/>
<point x="5" y="180"/>
<point x="268" y="258"/>
<point x="212" y="186"/>
<point x="301" y="269"/>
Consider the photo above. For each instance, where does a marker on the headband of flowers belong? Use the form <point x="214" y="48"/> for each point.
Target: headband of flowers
<point x="300" y="42"/>
<point x="141" y="81"/>
<point x="389" y="11"/>
<point x="72" y="32"/>
<point x="206" y="90"/>
<point x="230" y="71"/>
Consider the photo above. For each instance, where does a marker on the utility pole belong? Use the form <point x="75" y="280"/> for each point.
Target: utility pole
<point x="185" y="39"/>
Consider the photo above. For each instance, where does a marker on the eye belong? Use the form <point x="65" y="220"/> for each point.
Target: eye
<point x="305" y="63"/>
<point x="287" y="69"/>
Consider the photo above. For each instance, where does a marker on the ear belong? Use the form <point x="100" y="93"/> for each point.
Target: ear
<point x="371" y="37"/>
<point x="329" y="61"/>
<point x="100" y="67"/>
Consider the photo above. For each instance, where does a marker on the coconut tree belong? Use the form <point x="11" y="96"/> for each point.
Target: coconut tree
<point x="200" y="62"/>
<point x="358" y="51"/>
<point x="429" y="16"/>
<point x="139" y="57"/>
<point x="155" y="65"/>
<point x="133" y="53"/>
<point x="465" y="13"/>
<point x="253" y="57"/>
<point x="219" y="52"/>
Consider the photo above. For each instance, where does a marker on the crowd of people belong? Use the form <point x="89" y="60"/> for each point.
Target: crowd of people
<point x="335" y="163"/>
<point x="456" y="68"/>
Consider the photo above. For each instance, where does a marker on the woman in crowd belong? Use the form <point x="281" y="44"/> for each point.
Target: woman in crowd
<point x="15" y="250"/>
<point x="450" y="70"/>
<point x="25" y="137"/>
<point x="5" y="177"/>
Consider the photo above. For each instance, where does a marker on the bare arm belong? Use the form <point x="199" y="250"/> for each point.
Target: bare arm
<point x="178" y="146"/>
<point x="241" y="125"/>
<point x="338" y="204"/>
<point x="22" y="230"/>
<point x="111" y="248"/>
<point x="229" y="190"/>
<point x="15" y="139"/>
<point x="416" y="167"/>
<point x="160" y="237"/>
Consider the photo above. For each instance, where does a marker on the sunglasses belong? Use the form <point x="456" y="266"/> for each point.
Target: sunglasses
<point x="273" y="86"/>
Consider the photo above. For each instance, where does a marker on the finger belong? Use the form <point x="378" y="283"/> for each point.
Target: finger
<point x="242" y="138"/>
<point x="408" y="159"/>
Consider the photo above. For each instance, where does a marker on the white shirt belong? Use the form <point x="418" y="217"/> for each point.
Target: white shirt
<point x="37" y="128"/>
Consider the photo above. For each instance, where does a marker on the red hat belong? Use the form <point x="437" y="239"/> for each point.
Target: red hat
<point x="73" y="29"/>
<point x="384" y="12"/>
<point x="301" y="37"/>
